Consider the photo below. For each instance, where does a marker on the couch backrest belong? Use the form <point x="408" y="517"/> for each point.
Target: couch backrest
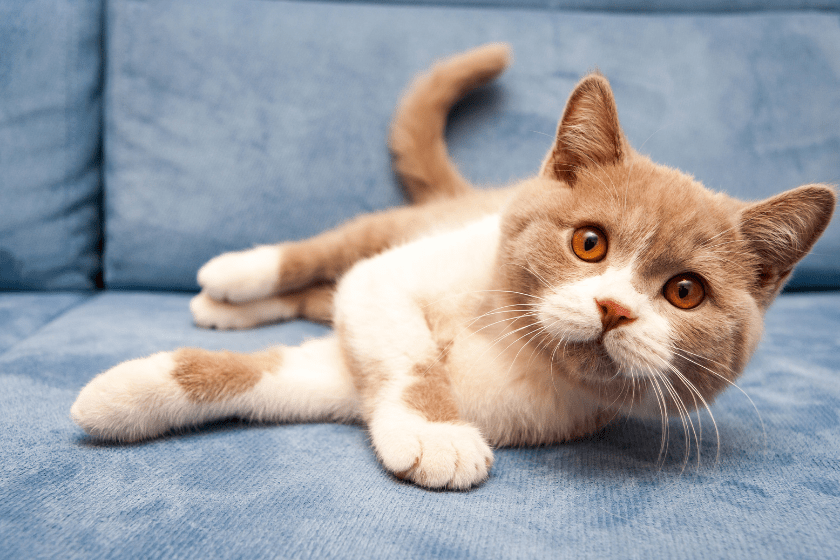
<point x="678" y="6"/>
<point x="50" y="138"/>
<point x="235" y="122"/>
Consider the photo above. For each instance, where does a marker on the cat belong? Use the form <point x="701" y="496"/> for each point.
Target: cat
<point x="604" y="286"/>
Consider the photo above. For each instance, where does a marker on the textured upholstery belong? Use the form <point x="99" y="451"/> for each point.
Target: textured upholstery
<point x="50" y="134"/>
<point x="657" y="6"/>
<point x="227" y="123"/>
<point x="317" y="491"/>
<point x="235" y="123"/>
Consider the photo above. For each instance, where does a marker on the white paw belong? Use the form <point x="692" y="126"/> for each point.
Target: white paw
<point x="128" y="402"/>
<point x="436" y="454"/>
<point x="242" y="276"/>
<point x="211" y="314"/>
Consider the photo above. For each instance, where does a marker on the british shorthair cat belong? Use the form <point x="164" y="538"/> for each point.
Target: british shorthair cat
<point x="605" y="285"/>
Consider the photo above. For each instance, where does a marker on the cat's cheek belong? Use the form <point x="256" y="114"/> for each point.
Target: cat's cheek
<point x="570" y="325"/>
<point x="571" y="315"/>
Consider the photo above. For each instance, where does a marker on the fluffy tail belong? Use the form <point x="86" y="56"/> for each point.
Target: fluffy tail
<point x="416" y="140"/>
<point x="145" y="398"/>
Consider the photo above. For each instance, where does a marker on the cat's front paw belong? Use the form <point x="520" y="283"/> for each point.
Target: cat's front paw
<point x="125" y="402"/>
<point x="435" y="454"/>
<point x="242" y="276"/>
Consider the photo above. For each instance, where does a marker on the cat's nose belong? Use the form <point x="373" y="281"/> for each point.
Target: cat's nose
<point x="613" y="314"/>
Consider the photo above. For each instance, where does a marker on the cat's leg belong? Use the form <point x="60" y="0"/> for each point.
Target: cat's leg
<point x="419" y="436"/>
<point x="398" y="355"/>
<point x="314" y="303"/>
<point x="266" y="271"/>
<point x="147" y="397"/>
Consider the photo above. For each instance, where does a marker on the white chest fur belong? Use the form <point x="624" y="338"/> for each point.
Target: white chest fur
<point x="432" y="300"/>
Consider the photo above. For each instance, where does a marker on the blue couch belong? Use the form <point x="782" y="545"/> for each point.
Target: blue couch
<point x="140" y="138"/>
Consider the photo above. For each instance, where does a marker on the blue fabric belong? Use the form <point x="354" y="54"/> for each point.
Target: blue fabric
<point x="316" y="491"/>
<point x="50" y="125"/>
<point x="235" y="123"/>
<point x="635" y="5"/>
<point x="22" y="314"/>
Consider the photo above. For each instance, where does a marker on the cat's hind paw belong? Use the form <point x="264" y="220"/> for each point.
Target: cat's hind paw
<point x="436" y="454"/>
<point x="242" y="276"/>
<point x="212" y="314"/>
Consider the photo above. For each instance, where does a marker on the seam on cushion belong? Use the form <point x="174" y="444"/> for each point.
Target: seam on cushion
<point x="85" y="299"/>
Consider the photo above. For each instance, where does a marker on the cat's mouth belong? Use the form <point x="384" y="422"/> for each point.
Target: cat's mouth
<point x="612" y="356"/>
<point x="632" y="349"/>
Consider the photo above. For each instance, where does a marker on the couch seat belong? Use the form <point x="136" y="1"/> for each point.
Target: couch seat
<point x="770" y="489"/>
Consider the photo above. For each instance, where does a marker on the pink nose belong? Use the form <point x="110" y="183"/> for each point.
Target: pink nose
<point x="613" y="314"/>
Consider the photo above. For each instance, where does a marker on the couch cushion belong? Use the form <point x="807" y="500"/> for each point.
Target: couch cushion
<point x="235" y="123"/>
<point x="292" y="491"/>
<point x="50" y="125"/>
<point x="23" y="313"/>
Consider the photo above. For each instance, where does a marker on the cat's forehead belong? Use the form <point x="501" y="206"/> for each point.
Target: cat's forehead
<point x="653" y="211"/>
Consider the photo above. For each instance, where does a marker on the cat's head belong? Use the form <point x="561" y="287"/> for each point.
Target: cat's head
<point x="646" y="287"/>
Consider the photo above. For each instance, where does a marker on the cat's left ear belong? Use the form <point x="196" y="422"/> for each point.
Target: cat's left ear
<point x="588" y="134"/>
<point x="782" y="229"/>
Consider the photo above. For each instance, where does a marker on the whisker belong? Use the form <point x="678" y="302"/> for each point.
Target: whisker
<point x="678" y="351"/>
<point x="687" y="423"/>
<point x="696" y="391"/>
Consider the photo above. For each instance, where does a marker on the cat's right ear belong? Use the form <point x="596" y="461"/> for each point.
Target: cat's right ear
<point x="781" y="230"/>
<point x="588" y="134"/>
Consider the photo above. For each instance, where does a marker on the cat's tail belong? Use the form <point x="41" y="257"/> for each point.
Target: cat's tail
<point x="417" y="139"/>
<point x="145" y="398"/>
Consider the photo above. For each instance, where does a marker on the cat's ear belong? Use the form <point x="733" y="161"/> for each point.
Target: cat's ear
<point x="588" y="135"/>
<point x="782" y="229"/>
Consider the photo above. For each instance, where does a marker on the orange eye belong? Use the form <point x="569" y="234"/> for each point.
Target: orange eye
<point x="589" y="243"/>
<point x="685" y="291"/>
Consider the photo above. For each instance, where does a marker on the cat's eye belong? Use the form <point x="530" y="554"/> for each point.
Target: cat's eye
<point x="685" y="291"/>
<point x="589" y="243"/>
